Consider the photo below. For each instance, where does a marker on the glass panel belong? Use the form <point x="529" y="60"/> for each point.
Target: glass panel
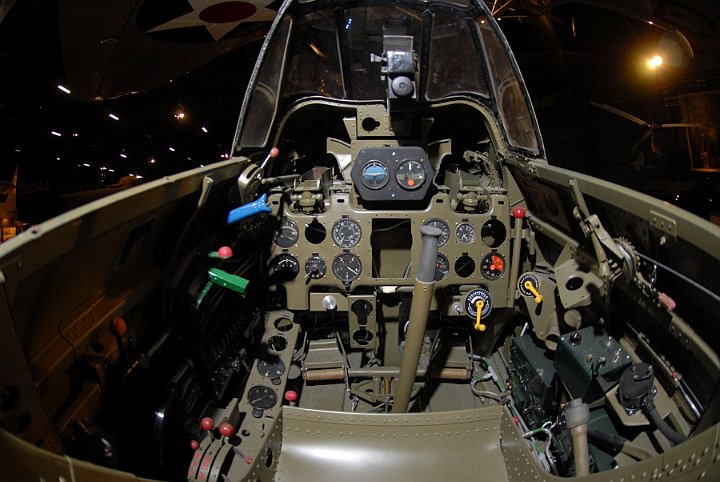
<point x="365" y="28"/>
<point x="264" y="97"/>
<point x="452" y="68"/>
<point x="512" y="106"/>
<point x="313" y="62"/>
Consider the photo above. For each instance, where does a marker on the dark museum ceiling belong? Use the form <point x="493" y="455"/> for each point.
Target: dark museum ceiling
<point x="570" y="53"/>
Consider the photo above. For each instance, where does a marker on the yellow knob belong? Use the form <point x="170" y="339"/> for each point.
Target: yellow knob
<point x="479" y="307"/>
<point x="529" y="286"/>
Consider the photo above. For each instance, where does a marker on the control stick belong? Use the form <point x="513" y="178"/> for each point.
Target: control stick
<point x="419" y="311"/>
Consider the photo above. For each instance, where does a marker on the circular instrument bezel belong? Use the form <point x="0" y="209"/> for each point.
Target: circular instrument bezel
<point x="461" y="230"/>
<point x="472" y="298"/>
<point x="262" y="397"/>
<point x="283" y="240"/>
<point x="342" y="225"/>
<point x="418" y="177"/>
<point x="274" y="365"/>
<point x="341" y="265"/>
<point x="286" y="275"/>
<point x="385" y="172"/>
<point x="488" y="262"/>
<point x="320" y="262"/>
<point x="442" y="267"/>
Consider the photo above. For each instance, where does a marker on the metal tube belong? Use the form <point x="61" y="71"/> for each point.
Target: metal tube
<point x="419" y="311"/>
<point x="577" y="415"/>
<point x="339" y="373"/>
<point x="515" y="261"/>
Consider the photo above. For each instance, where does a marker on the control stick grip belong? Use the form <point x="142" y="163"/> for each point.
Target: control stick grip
<point x="428" y="253"/>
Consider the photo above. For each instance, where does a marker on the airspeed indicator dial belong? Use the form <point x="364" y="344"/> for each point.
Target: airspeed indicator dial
<point x="346" y="232"/>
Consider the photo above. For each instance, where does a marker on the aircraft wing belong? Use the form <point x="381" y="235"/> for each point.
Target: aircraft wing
<point x="119" y="48"/>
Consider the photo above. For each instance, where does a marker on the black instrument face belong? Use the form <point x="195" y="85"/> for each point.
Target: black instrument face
<point x="465" y="233"/>
<point x="346" y="233"/>
<point x="442" y="267"/>
<point x="287" y="234"/>
<point x="492" y="266"/>
<point x="272" y="368"/>
<point x="442" y="226"/>
<point x="410" y="174"/>
<point x="262" y="397"/>
<point x="471" y="303"/>
<point x="315" y="267"/>
<point x="347" y="267"/>
<point x="286" y="267"/>
<point x="375" y="175"/>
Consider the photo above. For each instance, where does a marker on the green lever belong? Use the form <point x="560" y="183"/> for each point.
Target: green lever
<point x="227" y="280"/>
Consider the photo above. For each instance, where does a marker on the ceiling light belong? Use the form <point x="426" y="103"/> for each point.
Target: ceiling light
<point x="63" y="88"/>
<point x="113" y="116"/>
<point x="56" y="133"/>
<point x="152" y="161"/>
<point x="179" y="114"/>
<point x="124" y="156"/>
<point x="172" y="149"/>
<point x="75" y="134"/>
<point x="204" y="129"/>
<point x="86" y="164"/>
<point x="654" y="62"/>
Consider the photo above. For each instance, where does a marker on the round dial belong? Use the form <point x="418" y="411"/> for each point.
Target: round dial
<point x="347" y="267"/>
<point x="528" y="278"/>
<point x="286" y="267"/>
<point x="287" y="234"/>
<point x="346" y="232"/>
<point x="262" y="397"/>
<point x="410" y="174"/>
<point x="492" y="266"/>
<point x="442" y="267"/>
<point x="315" y="267"/>
<point x="465" y="233"/>
<point x="471" y="303"/>
<point x="442" y="226"/>
<point x="375" y="175"/>
<point x="272" y="368"/>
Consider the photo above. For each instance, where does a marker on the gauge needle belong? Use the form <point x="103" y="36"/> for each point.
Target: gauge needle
<point x="351" y="270"/>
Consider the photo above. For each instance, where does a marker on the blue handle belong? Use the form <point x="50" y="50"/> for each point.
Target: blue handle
<point x="250" y="209"/>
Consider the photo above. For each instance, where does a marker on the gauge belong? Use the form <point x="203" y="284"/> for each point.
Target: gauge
<point x="287" y="234"/>
<point x="534" y="283"/>
<point x="315" y="267"/>
<point x="347" y="267"/>
<point x="410" y="174"/>
<point x="442" y="267"/>
<point x="346" y="232"/>
<point x="375" y="175"/>
<point x="442" y="226"/>
<point x="286" y="267"/>
<point x="272" y="368"/>
<point x="465" y="233"/>
<point x="261" y="398"/>
<point x="492" y="266"/>
<point x="471" y="303"/>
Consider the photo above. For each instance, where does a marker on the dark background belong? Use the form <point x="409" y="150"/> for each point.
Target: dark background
<point x="570" y="53"/>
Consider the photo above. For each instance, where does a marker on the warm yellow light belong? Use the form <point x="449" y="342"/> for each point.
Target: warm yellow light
<point x="654" y="62"/>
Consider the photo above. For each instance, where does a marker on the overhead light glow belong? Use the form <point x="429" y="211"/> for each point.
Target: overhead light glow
<point x="204" y="129"/>
<point x="171" y="149"/>
<point x="124" y="156"/>
<point x="63" y="88"/>
<point x="111" y="170"/>
<point x="179" y="114"/>
<point x="86" y="164"/>
<point x="654" y="62"/>
<point x="56" y="133"/>
<point x="152" y="160"/>
<point x="76" y="134"/>
<point x="113" y="116"/>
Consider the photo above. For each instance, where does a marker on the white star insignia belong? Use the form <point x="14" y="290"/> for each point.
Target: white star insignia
<point x="209" y="13"/>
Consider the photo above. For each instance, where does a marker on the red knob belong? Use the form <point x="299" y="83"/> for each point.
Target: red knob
<point x="518" y="212"/>
<point x="226" y="430"/>
<point x="207" y="423"/>
<point x="291" y="396"/>
<point x="194" y="444"/>
<point x="274" y="152"/>
<point x="225" y="252"/>
<point x="119" y="327"/>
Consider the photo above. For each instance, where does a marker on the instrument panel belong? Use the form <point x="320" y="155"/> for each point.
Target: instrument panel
<point x="348" y="247"/>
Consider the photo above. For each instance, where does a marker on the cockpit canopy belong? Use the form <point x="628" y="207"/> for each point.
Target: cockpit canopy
<point x="338" y="50"/>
